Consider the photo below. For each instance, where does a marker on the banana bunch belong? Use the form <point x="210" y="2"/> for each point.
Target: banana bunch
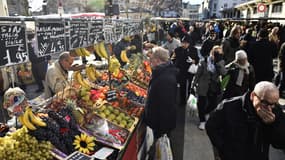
<point x="30" y="120"/>
<point x="100" y="49"/>
<point x="79" y="79"/>
<point x="124" y="56"/>
<point x="82" y="52"/>
<point x="114" y="65"/>
<point x="85" y="52"/>
<point x="90" y="72"/>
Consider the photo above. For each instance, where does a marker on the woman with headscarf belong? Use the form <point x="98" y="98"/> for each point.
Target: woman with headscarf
<point x="242" y="78"/>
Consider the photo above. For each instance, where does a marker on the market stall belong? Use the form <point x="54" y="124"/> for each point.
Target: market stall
<point x="97" y="116"/>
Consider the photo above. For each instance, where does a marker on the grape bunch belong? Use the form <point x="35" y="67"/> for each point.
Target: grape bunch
<point x="20" y="145"/>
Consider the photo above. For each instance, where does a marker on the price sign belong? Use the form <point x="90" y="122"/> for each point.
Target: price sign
<point x="119" y="30"/>
<point x="13" y="44"/>
<point x="95" y="31"/>
<point x="78" y="156"/>
<point x="78" y="34"/>
<point x="50" y="37"/>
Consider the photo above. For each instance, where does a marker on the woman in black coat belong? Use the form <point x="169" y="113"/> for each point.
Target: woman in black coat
<point x="160" y="110"/>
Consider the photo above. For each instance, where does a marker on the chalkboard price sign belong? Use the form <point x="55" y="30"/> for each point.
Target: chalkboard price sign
<point x="78" y="34"/>
<point x="50" y="38"/>
<point x="96" y="32"/>
<point x="13" y="44"/>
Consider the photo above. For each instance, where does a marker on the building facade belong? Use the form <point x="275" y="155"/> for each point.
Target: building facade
<point x="273" y="9"/>
<point x="219" y="8"/>
<point x="191" y="11"/>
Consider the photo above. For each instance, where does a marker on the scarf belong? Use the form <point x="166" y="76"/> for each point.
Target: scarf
<point x="210" y="65"/>
<point x="243" y="69"/>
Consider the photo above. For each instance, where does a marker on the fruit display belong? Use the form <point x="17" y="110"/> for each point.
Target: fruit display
<point x="116" y="116"/>
<point x="106" y="132"/>
<point x="100" y="49"/>
<point x="78" y="78"/>
<point x="135" y="111"/>
<point x="114" y="66"/>
<point x="82" y="52"/>
<point x="20" y="145"/>
<point x="124" y="56"/>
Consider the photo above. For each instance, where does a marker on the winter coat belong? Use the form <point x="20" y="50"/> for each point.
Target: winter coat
<point x="56" y="80"/>
<point x="160" y="109"/>
<point x="260" y="56"/>
<point x="204" y="79"/>
<point x="282" y="57"/>
<point x="248" y="82"/>
<point x="239" y="134"/>
<point x="230" y="46"/>
<point x="207" y="46"/>
<point x="181" y="63"/>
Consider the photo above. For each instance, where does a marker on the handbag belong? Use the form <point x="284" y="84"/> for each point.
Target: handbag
<point x="193" y="68"/>
<point x="162" y="149"/>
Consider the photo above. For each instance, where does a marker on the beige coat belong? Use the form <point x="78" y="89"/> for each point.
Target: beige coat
<point x="56" y="80"/>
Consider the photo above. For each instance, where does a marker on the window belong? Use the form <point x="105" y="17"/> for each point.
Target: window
<point x="254" y="10"/>
<point x="225" y="5"/>
<point x="215" y="7"/>
<point x="276" y="8"/>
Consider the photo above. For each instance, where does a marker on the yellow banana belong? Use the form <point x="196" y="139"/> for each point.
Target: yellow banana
<point x="36" y="120"/>
<point x="90" y="73"/>
<point x="124" y="56"/>
<point x="98" y="74"/>
<point x="78" y="77"/>
<point x="85" y="52"/>
<point x="97" y="50"/>
<point x="26" y="121"/>
<point x="103" y="50"/>
<point x="78" y="52"/>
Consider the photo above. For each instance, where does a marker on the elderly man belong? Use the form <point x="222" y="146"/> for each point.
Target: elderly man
<point x="242" y="128"/>
<point x="57" y="75"/>
<point x="160" y="110"/>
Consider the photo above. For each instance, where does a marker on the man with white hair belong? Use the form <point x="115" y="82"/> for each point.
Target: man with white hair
<point x="160" y="110"/>
<point x="242" y="128"/>
<point x="241" y="75"/>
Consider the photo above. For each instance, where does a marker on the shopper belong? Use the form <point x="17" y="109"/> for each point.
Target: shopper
<point x="261" y="55"/>
<point x="231" y="44"/>
<point x="241" y="73"/>
<point x="242" y="128"/>
<point x="281" y="82"/>
<point x="207" y="83"/>
<point x="160" y="109"/>
<point x="187" y="52"/>
<point x="208" y="44"/>
<point x="172" y="43"/>
<point x="273" y="36"/>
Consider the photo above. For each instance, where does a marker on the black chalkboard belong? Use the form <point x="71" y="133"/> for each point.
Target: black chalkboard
<point x="96" y="32"/>
<point x="13" y="44"/>
<point x="119" y="30"/>
<point x="50" y="37"/>
<point x="78" y="34"/>
<point x="78" y="156"/>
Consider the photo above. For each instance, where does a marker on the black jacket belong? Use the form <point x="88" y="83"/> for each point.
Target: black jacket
<point x="260" y="55"/>
<point x="248" y="82"/>
<point x="160" y="110"/>
<point x="181" y="63"/>
<point x="239" y="134"/>
<point x="207" y="46"/>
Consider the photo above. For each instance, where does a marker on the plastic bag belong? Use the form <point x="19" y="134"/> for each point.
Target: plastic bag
<point x="193" y="68"/>
<point x="162" y="149"/>
<point x="191" y="105"/>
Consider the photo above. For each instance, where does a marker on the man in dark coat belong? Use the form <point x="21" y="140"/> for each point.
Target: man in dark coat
<point x="242" y="128"/>
<point x="208" y="44"/>
<point x="187" y="52"/>
<point x="160" y="110"/>
<point x="260" y="55"/>
<point x="231" y="44"/>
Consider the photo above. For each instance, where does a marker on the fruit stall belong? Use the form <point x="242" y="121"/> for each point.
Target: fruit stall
<point x="97" y="116"/>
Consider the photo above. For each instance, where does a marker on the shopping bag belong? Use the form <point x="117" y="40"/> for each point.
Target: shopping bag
<point x="225" y="82"/>
<point x="162" y="149"/>
<point x="191" y="106"/>
<point x="193" y="68"/>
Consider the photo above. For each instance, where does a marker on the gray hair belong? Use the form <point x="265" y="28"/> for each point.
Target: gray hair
<point x="64" y="56"/>
<point x="160" y="53"/>
<point x="265" y="87"/>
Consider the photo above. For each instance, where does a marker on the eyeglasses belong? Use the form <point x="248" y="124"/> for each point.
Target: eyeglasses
<point x="265" y="102"/>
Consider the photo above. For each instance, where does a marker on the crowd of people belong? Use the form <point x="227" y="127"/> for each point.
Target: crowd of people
<point x="233" y="81"/>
